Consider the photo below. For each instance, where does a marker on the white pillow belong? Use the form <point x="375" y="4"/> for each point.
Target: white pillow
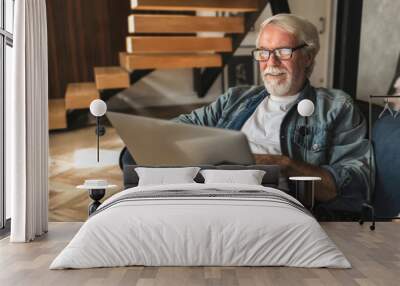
<point x="163" y="176"/>
<point x="248" y="177"/>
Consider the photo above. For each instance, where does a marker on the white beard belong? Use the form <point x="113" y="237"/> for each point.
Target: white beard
<point x="274" y="86"/>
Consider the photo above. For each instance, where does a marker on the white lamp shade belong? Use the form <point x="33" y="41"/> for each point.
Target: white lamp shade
<point x="98" y="107"/>
<point x="305" y="107"/>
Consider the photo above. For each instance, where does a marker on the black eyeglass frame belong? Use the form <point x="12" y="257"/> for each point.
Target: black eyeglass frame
<point x="277" y="49"/>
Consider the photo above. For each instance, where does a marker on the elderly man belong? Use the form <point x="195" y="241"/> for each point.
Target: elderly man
<point x="336" y="148"/>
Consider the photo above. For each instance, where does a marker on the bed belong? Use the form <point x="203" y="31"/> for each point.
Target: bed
<point x="201" y="224"/>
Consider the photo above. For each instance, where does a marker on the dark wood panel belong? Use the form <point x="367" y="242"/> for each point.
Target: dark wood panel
<point x="83" y="34"/>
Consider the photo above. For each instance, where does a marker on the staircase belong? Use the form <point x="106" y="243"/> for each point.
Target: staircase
<point x="165" y="41"/>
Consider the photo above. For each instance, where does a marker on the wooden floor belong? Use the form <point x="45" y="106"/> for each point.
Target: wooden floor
<point x="374" y="255"/>
<point x="66" y="202"/>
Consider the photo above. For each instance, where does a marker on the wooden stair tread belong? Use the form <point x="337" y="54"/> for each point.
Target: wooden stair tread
<point x="168" y="61"/>
<point x="111" y="77"/>
<point x="57" y="114"/>
<point x="177" y="44"/>
<point x="196" y="5"/>
<point x="80" y="95"/>
<point x="184" y="24"/>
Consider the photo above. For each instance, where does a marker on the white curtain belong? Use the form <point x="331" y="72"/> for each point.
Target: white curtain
<point x="27" y="123"/>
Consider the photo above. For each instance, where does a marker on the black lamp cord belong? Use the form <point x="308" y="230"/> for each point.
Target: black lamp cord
<point x="306" y="138"/>
<point x="98" y="135"/>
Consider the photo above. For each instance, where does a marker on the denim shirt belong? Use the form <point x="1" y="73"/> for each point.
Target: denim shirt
<point x="336" y="135"/>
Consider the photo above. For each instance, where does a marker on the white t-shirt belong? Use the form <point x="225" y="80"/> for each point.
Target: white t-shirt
<point x="263" y="126"/>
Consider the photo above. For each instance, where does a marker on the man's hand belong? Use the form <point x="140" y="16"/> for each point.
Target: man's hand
<point x="325" y="189"/>
<point x="268" y="159"/>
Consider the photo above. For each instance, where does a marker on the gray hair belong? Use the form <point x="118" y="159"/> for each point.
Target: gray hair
<point x="302" y="29"/>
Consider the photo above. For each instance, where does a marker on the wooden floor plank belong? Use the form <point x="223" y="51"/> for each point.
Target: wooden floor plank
<point x="27" y="264"/>
<point x="111" y="77"/>
<point x="57" y="114"/>
<point x="177" y="44"/>
<point x="168" y="61"/>
<point x="80" y="95"/>
<point x="178" y="24"/>
<point x="196" y="5"/>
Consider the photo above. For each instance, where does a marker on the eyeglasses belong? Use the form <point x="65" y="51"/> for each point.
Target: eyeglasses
<point x="281" y="53"/>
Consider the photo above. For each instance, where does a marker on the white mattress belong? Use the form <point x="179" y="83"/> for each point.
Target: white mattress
<point x="183" y="231"/>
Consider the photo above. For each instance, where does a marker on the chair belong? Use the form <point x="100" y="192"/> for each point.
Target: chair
<point x="386" y="143"/>
<point x="385" y="139"/>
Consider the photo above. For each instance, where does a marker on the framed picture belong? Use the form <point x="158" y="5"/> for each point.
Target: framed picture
<point x="241" y="70"/>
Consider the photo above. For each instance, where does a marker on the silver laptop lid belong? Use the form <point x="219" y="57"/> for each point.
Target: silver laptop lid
<point x="162" y="142"/>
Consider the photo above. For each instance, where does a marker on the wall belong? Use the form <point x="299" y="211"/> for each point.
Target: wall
<point x="379" y="47"/>
<point x="83" y="34"/>
<point x="319" y="13"/>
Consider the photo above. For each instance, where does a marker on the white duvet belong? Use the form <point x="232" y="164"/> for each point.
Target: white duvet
<point x="185" y="231"/>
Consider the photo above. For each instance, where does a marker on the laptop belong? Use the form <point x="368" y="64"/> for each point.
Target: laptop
<point x="163" y="142"/>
